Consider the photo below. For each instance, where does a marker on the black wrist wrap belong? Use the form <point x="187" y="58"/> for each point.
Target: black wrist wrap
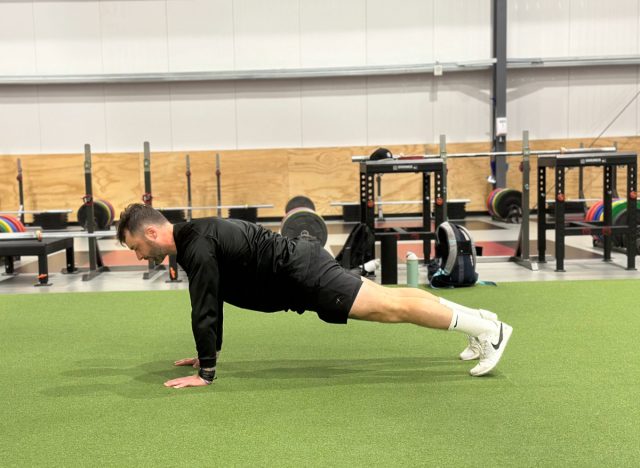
<point x="207" y="375"/>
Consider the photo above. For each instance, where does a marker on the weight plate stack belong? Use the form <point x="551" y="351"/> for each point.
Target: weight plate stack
<point x="10" y="223"/>
<point x="300" y="201"/>
<point x="494" y="201"/>
<point x="247" y="214"/>
<point x="620" y="219"/>
<point x="305" y="223"/>
<point x="490" y="201"/>
<point x="591" y="216"/>
<point x="103" y="215"/>
<point x="51" y="221"/>
<point x="505" y="204"/>
<point x="112" y="212"/>
<point x="509" y="205"/>
<point x="591" y="211"/>
<point x="6" y="226"/>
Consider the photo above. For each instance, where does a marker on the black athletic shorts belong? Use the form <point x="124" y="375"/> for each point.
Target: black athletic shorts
<point x="325" y="288"/>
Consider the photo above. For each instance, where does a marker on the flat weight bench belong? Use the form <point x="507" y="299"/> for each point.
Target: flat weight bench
<point x="41" y="249"/>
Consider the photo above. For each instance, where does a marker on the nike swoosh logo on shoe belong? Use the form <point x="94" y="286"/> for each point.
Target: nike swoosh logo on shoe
<point x="456" y="324"/>
<point x="496" y="346"/>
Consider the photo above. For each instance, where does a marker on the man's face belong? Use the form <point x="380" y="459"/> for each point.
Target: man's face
<point x="145" y="244"/>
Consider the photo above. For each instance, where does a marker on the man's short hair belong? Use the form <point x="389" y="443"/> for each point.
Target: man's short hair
<point x="135" y="217"/>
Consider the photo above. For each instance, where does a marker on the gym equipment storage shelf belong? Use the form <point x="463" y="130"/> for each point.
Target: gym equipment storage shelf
<point x="389" y="236"/>
<point x="609" y="163"/>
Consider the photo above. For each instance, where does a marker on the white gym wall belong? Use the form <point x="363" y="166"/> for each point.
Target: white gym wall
<point x="573" y="102"/>
<point x="47" y="37"/>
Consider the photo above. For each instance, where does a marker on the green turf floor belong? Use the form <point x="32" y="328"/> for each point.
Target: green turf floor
<point x="82" y="382"/>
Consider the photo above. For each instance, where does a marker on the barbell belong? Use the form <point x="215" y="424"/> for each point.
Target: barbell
<point x="484" y="154"/>
<point x="195" y="208"/>
<point x="18" y="212"/>
<point x="40" y="235"/>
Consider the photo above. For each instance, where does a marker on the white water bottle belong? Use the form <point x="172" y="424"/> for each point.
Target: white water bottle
<point x="412" y="270"/>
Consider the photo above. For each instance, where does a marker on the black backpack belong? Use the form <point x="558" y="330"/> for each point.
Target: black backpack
<point x="455" y="262"/>
<point x="358" y="249"/>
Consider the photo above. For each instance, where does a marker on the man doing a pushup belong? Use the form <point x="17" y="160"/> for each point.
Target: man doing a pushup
<point x="251" y="267"/>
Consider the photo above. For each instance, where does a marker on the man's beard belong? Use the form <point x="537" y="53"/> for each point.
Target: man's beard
<point x="155" y="253"/>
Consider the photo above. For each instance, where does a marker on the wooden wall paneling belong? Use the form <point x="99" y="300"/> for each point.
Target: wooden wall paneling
<point x="203" y="182"/>
<point x="255" y="177"/>
<point x="467" y="177"/>
<point x="53" y="182"/>
<point x="325" y="175"/>
<point x="395" y="187"/>
<point x="328" y="175"/>
<point x="168" y="179"/>
<point x="272" y="176"/>
<point x="8" y="183"/>
<point x="115" y="178"/>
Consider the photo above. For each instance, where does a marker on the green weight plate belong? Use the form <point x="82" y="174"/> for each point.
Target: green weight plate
<point x="101" y="205"/>
<point x="617" y="207"/>
<point x="4" y="226"/>
<point x="496" y="201"/>
<point x="499" y="193"/>
<point x="620" y="219"/>
<point x="490" y="201"/>
<point x="112" y="213"/>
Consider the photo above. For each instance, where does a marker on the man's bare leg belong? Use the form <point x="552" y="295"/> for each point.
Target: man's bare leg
<point x="377" y="303"/>
<point x="421" y="293"/>
<point x="410" y="305"/>
<point x="472" y="350"/>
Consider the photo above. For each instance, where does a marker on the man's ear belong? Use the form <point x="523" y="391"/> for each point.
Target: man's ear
<point x="151" y="232"/>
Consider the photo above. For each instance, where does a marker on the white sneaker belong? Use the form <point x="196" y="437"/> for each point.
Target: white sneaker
<point x="492" y="345"/>
<point x="472" y="351"/>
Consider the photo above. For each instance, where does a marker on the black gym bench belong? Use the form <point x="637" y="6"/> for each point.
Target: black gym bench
<point x="41" y="249"/>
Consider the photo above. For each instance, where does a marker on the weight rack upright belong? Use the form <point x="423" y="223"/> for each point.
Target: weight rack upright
<point x="147" y="199"/>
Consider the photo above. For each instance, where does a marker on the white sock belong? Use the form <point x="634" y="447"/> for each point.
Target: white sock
<point x="468" y="310"/>
<point x="470" y="324"/>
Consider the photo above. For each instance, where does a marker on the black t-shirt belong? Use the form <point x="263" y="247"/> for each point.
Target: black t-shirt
<point x="229" y="260"/>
